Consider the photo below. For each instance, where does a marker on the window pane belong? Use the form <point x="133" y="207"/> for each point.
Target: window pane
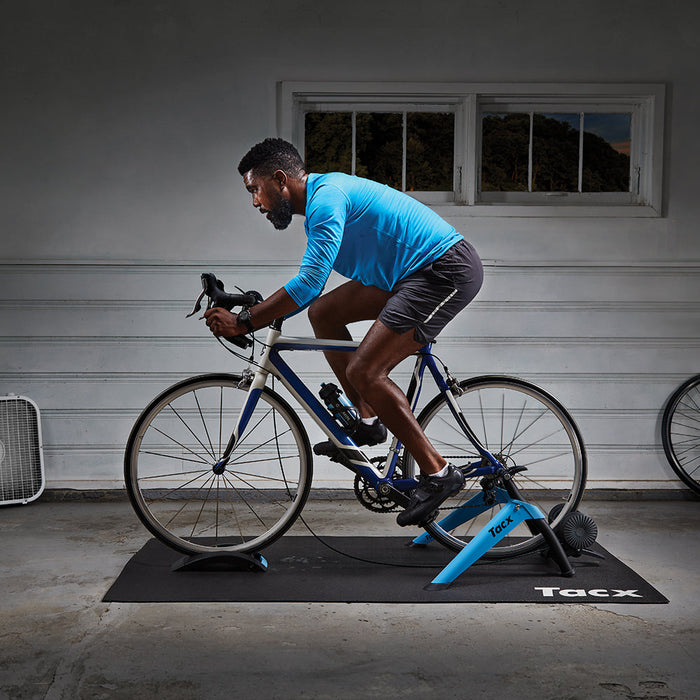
<point x="328" y="142"/>
<point x="504" y="152"/>
<point x="606" y="152"/>
<point x="555" y="152"/>
<point x="430" y="151"/>
<point x="379" y="144"/>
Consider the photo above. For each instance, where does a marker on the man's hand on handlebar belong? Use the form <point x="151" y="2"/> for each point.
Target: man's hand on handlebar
<point x="223" y="324"/>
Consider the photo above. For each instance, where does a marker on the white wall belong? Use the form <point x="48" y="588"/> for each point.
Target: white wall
<point x="121" y="126"/>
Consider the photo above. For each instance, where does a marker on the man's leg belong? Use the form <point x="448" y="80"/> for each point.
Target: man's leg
<point x="364" y="375"/>
<point x="380" y="351"/>
<point x="329" y="316"/>
<point x="368" y="370"/>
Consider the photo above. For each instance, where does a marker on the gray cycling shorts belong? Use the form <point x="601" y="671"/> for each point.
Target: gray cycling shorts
<point x="427" y="300"/>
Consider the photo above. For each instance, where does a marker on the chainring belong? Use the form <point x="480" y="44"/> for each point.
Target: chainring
<point x="369" y="498"/>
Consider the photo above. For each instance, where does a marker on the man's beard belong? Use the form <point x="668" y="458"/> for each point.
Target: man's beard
<point x="280" y="216"/>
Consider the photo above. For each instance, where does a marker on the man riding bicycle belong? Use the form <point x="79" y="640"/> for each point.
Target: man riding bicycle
<point x="408" y="270"/>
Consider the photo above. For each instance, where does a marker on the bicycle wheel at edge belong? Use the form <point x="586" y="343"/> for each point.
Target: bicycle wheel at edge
<point x="170" y="458"/>
<point x="680" y="432"/>
<point x="523" y="426"/>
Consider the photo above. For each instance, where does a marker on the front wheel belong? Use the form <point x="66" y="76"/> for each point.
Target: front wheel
<point x="523" y="426"/>
<point x="183" y="495"/>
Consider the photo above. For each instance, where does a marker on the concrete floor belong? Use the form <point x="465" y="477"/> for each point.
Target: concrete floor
<point x="58" y="641"/>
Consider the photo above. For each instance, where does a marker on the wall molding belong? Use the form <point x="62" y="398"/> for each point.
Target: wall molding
<point x="160" y="377"/>
<point x="471" y="341"/>
<point x="482" y="306"/>
<point x="145" y="266"/>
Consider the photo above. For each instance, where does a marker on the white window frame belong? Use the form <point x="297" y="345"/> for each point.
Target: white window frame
<point x="468" y="101"/>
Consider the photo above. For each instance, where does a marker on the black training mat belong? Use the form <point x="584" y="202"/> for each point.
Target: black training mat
<point x="304" y="569"/>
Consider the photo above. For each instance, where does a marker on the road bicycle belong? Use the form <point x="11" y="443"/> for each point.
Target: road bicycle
<point x="680" y="432"/>
<point x="223" y="463"/>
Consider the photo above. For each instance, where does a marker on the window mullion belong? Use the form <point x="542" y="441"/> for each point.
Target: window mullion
<point x="403" y="153"/>
<point x="529" y="154"/>
<point x="580" y="152"/>
<point x="353" y="167"/>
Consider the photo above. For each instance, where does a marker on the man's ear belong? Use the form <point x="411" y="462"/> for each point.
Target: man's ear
<point x="280" y="177"/>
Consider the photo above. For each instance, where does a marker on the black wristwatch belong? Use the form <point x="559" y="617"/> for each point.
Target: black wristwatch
<point x="244" y="318"/>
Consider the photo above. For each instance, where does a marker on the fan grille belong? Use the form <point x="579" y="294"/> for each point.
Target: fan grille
<point x="21" y="465"/>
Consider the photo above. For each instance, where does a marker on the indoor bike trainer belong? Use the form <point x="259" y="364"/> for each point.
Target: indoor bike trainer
<point x="514" y="512"/>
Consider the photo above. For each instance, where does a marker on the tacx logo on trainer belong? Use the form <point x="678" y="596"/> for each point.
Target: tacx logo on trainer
<point x="496" y="530"/>
<point x="551" y="591"/>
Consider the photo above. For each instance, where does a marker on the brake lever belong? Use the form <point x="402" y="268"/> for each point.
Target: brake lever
<point x="197" y="304"/>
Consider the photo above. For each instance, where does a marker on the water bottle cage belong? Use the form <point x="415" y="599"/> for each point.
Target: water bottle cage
<point x="341" y="409"/>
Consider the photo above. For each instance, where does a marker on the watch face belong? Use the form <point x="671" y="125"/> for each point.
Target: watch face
<point x="244" y="318"/>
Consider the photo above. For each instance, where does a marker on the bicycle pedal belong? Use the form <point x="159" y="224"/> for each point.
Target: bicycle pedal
<point x="337" y="456"/>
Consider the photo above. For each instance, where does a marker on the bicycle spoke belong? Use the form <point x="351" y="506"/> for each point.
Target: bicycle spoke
<point x="243" y="438"/>
<point x="257" y="447"/>
<point x="204" y="425"/>
<point x="258" y="491"/>
<point x="185" y="504"/>
<point x="532" y="462"/>
<point x="190" y="431"/>
<point x="165" y="476"/>
<point x="245" y="501"/>
<point x="506" y="449"/>
<point x="524" y="430"/>
<point x="179" y="458"/>
<point x="279" y="454"/>
<point x="237" y="473"/>
<point x="176" y="489"/>
<point x="483" y="423"/>
<point x="539" y="441"/>
<point x="204" y="502"/>
<point x="177" y="442"/>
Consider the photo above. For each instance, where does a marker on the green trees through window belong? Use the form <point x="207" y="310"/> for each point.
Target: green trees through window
<point x="520" y="151"/>
<point x="535" y="152"/>
<point x="410" y="151"/>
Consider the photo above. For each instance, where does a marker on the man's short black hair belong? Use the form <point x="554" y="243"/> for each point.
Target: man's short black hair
<point x="270" y="155"/>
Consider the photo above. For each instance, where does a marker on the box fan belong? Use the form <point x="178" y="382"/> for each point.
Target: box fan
<point x="21" y="457"/>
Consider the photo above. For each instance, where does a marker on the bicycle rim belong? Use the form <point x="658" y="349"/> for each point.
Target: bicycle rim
<point x="681" y="433"/>
<point x="180" y="497"/>
<point x="523" y="426"/>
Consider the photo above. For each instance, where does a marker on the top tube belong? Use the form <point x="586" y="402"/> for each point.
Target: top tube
<point x="284" y="342"/>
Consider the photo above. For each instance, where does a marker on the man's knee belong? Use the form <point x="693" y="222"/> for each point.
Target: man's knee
<point x="359" y="375"/>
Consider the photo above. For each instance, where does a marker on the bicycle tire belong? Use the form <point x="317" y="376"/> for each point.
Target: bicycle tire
<point x="170" y="477"/>
<point x="680" y="432"/>
<point x="522" y="425"/>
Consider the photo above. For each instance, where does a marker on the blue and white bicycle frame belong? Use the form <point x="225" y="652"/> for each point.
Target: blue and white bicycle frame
<point x="271" y="362"/>
<point x="514" y="512"/>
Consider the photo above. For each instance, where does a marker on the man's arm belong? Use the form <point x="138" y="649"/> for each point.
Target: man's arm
<point x="224" y="324"/>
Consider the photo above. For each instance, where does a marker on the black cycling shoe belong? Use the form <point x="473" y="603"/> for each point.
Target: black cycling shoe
<point x="430" y="493"/>
<point x="362" y="434"/>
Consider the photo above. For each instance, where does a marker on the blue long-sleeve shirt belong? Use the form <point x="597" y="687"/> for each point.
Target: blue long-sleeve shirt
<point x="366" y="232"/>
